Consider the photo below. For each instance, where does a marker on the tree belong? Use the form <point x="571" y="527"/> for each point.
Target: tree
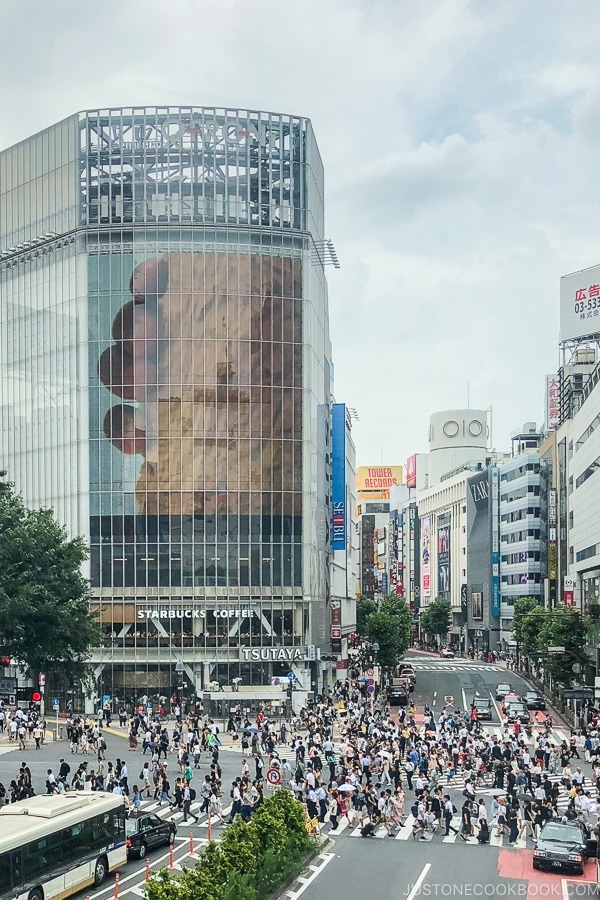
<point x="364" y="608"/>
<point x="436" y="618"/>
<point x="390" y="628"/>
<point x="45" y="619"/>
<point x="568" y="629"/>
<point x="521" y="631"/>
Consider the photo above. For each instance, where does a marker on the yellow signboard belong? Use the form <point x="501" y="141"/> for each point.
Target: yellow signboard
<point x="377" y="478"/>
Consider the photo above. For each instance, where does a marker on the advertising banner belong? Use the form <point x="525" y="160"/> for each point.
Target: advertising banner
<point x="580" y="304"/>
<point x="338" y="476"/>
<point x="552" y="402"/>
<point x="195" y="418"/>
<point x="411" y="471"/>
<point x="477" y="605"/>
<point x="552" y="537"/>
<point x="373" y="478"/>
<point x="495" y="543"/>
<point x="443" y="555"/>
<point x="426" y="556"/>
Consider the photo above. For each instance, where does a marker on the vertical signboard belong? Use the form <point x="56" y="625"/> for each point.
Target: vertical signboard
<point x="411" y="471"/>
<point x="495" y="545"/>
<point x="338" y="476"/>
<point x="443" y="555"/>
<point x="552" y="402"/>
<point x="569" y="591"/>
<point x="552" y="540"/>
<point x="412" y="515"/>
<point x="426" y="556"/>
<point x="336" y="625"/>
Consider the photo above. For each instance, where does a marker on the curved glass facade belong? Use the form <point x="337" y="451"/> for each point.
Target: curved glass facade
<point x="177" y="347"/>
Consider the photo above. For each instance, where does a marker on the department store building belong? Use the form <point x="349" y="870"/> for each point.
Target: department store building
<point x="165" y="383"/>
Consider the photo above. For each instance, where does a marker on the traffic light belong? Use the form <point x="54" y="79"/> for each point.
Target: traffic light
<point x="36" y="697"/>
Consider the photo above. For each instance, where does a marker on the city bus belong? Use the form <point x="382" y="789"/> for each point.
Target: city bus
<point x="54" y="845"/>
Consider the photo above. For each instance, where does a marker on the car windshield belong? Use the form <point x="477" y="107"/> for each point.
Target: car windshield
<point x="481" y="701"/>
<point x="560" y="834"/>
<point x="131" y="826"/>
<point x="505" y="688"/>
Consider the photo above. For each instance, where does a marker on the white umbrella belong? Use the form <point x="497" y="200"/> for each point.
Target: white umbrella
<point x="385" y="753"/>
<point x="347" y="787"/>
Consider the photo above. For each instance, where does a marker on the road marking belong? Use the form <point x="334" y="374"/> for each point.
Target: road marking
<point x="326" y="857"/>
<point x="464" y="696"/>
<point x="417" y="885"/>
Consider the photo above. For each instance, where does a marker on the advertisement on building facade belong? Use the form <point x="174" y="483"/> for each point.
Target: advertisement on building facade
<point x="426" y="556"/>
<point x="552" y="402"/>
<point x="443" y="557"/>
<point x="374" y="478"/>
<point x="411" y="471"/>
<point x="569" y="591"/>
<point x="552" y="537"/>
<point x="580" y="304"/>
<point x="195" y="420"/>
<point x="338" y="476"/>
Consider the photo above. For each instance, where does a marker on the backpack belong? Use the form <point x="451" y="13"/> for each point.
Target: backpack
<point x="414" y="810"/>
<point x="192" y="794"/>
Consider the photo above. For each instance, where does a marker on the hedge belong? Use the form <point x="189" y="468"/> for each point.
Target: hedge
<point x="252" y="859"/>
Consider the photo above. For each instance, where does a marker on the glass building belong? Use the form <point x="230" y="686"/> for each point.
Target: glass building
<point x="165" y="371"/>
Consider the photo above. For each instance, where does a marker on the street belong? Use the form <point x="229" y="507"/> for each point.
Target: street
<point x="381" y="868"/>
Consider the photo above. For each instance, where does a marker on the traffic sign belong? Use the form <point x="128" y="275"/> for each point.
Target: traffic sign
<point x="370" y="688"/>
<point x="370" y="672"/>
<point x="55" y="704"/>
<point x="556" y="649"/>
<point x="291" y="676"/>
<point x="273" y="776"/>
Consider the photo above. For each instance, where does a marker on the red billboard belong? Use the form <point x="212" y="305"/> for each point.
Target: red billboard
<point x="410" y="473"/>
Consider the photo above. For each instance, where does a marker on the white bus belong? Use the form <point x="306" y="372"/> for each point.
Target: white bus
<point x="55" y="845"/>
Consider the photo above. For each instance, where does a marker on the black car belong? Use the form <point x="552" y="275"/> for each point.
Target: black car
<point x="518" y="712"/>
<point x="564" y="845"/>
<point x="147" y="831"/>
<point x="397" y="695"/>
<point x="534" y="700"/>
<point x="483" y="707"/>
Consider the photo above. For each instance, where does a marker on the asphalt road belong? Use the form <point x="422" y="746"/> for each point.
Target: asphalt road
<point x="132" y="875"/>
<point x="382" y="868"/>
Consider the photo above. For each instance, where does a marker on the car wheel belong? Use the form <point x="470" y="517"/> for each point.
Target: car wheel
<point x="101" y="871"/>
<point x="142" y="851"/>
<point x="36" y="895"/>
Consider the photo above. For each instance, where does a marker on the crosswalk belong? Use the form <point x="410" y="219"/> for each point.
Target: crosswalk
<point x="406" y="833"/>
<point x="443" y="666"/>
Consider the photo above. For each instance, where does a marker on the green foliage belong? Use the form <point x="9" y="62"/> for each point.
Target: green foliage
<point x="390" y="628"/>
<point x="436" y="618"/>
<point x="521" y="630"/>
<point x="251" y="861"/>
<point x="364" y="608"/>
<point x="536" y="628"/>
<point x="45" y="620"/>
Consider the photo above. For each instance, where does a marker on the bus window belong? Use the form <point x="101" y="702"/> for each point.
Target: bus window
<point x="5" y="883"/>
<point x="35" y="859"/>
<point x="17" y="870"/>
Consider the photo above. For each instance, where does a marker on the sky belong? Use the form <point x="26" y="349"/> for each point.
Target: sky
<point x="460" y="145"/>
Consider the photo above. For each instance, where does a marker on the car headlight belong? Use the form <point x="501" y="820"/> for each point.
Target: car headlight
<point x="575" y="857"/>
<point x="539" y="852"/>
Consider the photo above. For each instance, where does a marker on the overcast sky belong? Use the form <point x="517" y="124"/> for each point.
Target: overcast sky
<point x="460" y="143"/>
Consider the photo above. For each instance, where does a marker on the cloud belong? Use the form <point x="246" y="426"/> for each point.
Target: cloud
<point x="459" y="140"/>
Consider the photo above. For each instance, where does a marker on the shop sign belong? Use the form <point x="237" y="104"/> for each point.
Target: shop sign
<point x="196" y="613"/>
<point x="273" y="654"/>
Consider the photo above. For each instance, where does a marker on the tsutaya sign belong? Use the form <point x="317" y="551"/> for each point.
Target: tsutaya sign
<point x="195" y="613"/>
<point x="274" y="654"/>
